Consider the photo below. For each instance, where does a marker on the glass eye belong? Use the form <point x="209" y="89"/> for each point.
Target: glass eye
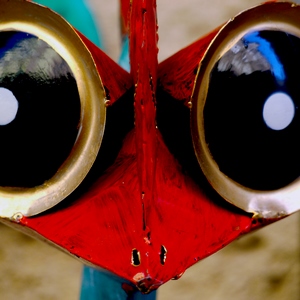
<point x="52" y="109"/>
<point x="245" y="116"/>
<point x="39" y="110"/>
<point x="251" y="117"/>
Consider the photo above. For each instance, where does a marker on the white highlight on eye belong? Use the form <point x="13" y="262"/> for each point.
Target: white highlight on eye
<point x="8" y="106"/>
<point x="278" y="111"/>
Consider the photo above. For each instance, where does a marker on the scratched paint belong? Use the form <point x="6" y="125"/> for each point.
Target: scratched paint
<point x="147" y="218"/>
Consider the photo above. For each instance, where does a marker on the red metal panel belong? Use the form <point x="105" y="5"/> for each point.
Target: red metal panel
<point x="106" y="224"/>
<point x="145" y="219"/>
<point x="177" y="74"/>
<point x="143" y="60"/>
<point x="145" y="205"/>
<point x="116" y="81"/>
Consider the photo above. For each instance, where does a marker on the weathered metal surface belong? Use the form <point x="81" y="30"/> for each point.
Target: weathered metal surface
<point x="152" y="213"/>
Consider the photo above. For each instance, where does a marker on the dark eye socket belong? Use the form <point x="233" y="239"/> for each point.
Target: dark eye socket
<point x="39" y="119"/>
<point x="251" y="117"/>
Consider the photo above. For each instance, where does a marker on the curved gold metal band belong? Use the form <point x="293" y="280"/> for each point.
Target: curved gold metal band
<point x="23" y="16"/>
<point x="280" y="16"/>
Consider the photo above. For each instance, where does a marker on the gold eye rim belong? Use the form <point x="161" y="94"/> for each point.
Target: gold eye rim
<point x="19" y="15"/>
<point x="280" y="16"/>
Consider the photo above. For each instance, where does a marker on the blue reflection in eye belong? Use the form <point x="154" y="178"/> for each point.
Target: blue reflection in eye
<point x="14" y="38"/>
<point x="265" y="48"/>
<point x="21" y="52"/>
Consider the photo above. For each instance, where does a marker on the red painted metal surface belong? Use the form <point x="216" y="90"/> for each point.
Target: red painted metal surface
<point x="144" y="219"/>
<point x="115" y="80"/>
<point x="143" y="59"/>
<point x="177" y="74"/>
<point x="106" y="224"/>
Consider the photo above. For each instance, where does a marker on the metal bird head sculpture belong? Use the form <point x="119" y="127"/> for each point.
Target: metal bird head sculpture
<point x="146" y="173"/>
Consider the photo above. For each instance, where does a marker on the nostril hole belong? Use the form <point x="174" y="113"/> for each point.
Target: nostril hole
<point x="135" y="258"/>
<point x="163" y="254"/>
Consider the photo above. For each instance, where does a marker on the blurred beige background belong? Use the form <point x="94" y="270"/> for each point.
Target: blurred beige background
<point x="263" y="265"/>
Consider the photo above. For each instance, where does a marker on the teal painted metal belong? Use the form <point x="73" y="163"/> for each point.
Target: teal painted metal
<point x="100" y="285"/>
<point x="77" y="13"/>
<point x="124" y="56"/>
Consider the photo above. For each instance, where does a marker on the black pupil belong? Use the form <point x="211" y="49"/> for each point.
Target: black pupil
<point x="251" y="116"/>
<point x="39" y="110"/>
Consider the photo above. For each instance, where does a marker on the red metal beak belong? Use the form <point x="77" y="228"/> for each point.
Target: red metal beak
<point x="151" y="214"/>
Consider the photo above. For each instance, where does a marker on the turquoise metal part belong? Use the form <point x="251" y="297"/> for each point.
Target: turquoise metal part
<point x="100" y="285"/>
<point x="77" y="13"/>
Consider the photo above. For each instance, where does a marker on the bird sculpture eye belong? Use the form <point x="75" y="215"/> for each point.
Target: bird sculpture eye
<point x="251" y="117"/>
<point x="52" y="108"/>
<point x="39" y="110"/>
